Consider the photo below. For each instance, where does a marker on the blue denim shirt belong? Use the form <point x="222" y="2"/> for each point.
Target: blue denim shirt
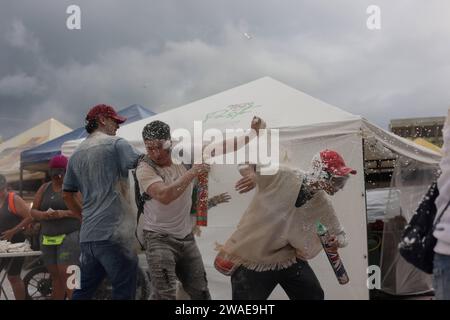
<point x="99" y="170"/>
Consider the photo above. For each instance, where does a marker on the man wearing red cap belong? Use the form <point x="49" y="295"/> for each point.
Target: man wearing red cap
<point x="99" y="170"/>
<point x="276" y="235"/>
<point x="103" y="118"/>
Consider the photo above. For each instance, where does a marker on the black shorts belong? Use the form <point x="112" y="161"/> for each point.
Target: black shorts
<point x="16" y="266"/>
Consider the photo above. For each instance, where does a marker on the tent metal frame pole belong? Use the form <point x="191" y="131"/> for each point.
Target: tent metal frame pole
<point x="363" y="141"/>
<point x="21" y="181"/>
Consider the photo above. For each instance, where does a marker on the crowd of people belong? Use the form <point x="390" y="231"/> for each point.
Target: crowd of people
<point x="87" y="219"/>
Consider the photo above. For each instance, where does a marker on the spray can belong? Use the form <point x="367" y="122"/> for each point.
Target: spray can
<point x="332" y="254"/>
<point x="202" y="200"/>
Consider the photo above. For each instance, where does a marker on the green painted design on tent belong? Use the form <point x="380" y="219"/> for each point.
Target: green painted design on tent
<point x="232" y="111"/>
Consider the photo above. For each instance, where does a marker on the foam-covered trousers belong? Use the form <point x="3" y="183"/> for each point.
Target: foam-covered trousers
<point x="171" y="259"/>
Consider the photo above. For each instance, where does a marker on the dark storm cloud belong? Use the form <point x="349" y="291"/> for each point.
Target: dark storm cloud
<point x="162" y="54"/>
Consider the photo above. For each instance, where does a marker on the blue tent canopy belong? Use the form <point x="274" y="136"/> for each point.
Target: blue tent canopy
<point x="38" y="157"/>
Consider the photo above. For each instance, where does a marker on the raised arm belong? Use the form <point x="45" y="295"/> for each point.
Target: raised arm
<point x="222" y="147"/>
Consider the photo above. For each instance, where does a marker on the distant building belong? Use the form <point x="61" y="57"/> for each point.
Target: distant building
<point x="429" y="129"/>
<point x="378" y="170"/>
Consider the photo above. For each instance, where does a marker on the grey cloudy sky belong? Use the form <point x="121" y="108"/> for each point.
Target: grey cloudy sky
<point x="163" y="54"/>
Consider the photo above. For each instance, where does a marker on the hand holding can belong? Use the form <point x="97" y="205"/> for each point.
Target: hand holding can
<point x="330" y="249"/>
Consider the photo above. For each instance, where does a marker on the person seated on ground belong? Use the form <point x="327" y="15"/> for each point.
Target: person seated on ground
<point x="60" y="229"/>
<point x="14" y="219"/>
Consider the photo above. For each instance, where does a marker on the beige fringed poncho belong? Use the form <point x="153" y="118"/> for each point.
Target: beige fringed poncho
<point x="272" y="232"/>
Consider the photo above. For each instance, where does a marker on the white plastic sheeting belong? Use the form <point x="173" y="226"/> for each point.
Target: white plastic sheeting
<point x="382" y="203"/>
<point x="401" y="145"/>
<point x="410" y="182"/>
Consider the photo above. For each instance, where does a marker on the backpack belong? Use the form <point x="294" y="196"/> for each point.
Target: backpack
<point x="141" y="198"/>
<point x="418" y="242"/>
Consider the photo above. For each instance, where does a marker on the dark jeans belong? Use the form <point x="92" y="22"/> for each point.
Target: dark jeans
<point x="441" y="276"/>
<point x="298" y="281"/>
<point x="107" y="258"/>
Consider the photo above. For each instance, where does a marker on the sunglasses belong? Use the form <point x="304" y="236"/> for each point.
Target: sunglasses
<point x="339" y="182"/>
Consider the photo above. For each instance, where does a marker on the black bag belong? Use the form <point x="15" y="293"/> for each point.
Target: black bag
<point x="141" y="198"/>
<point x="417" y="244"/>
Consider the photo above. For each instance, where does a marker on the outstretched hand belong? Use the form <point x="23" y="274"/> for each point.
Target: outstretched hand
<point x="222" y="198"/>
<point x="246" y="184"/>
<point x="7" y="235"/>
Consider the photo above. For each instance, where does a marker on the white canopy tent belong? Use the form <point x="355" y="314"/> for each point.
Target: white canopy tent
<point x="306" y="126"/>
<point x="10" y="150"/>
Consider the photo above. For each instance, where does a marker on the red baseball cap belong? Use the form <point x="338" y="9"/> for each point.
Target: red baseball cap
<point x="59" y="162"/>
<point x="104" y="110"/>
<point x="334" y="163"/>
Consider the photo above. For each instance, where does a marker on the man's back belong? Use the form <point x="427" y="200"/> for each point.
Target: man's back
<point x="99" y="170"/>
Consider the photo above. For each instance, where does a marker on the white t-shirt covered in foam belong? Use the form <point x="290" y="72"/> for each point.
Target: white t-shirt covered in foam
<point x="174" y="218"/>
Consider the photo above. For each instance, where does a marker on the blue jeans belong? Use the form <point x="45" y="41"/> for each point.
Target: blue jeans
<point x="107" y="258"/>
<point x="441" y="276"/>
